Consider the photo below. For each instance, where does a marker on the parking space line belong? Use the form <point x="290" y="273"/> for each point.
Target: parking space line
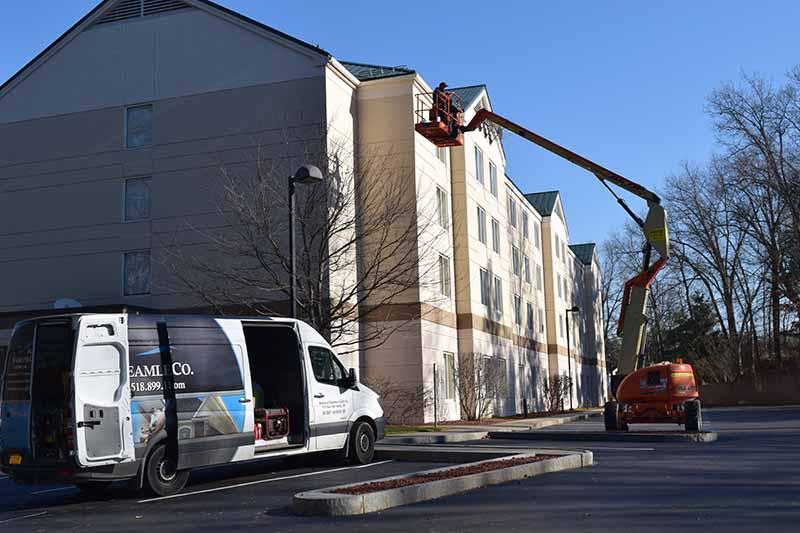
<point x="249" y="483"/>
<point x="52" y="490"/>
<point x="22" y="517"/>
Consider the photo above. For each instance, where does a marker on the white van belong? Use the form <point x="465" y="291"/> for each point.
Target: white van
<point x="95" y="398"/>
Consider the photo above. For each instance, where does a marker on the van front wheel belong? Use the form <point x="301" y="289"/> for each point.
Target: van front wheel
<point x="161" y="476"/>
<point x="362" y="444"/>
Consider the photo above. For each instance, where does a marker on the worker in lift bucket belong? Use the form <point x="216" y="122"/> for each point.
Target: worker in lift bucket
<point x="444" y="108"/>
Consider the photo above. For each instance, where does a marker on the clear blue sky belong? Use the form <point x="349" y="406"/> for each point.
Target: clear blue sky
<point x="623" y="83"/>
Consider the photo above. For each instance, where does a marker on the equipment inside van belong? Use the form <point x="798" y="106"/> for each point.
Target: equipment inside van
<point x="96" y="398"/>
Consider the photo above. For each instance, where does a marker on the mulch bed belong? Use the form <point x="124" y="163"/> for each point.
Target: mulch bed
<point x="376" y="486"/>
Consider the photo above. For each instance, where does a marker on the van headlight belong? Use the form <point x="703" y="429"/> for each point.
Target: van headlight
<point x="380" y="403"/>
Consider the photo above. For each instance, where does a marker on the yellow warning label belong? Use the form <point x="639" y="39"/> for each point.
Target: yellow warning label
<point x="682" y="374"/>
<point x="657" y="235"/>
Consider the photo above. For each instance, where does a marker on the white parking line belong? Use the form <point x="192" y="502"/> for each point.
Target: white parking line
<point x="52" y="490"/>
<point x="247" y="484"/>
<point x="22" y="517"/>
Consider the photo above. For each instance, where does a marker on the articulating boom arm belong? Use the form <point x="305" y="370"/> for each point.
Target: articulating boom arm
<point x="633" y="315"/>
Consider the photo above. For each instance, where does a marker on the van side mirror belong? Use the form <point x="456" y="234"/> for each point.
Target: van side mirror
<point x="351" y="377"/>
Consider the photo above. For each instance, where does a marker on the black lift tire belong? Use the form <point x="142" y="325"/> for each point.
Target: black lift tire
<point x="160" y="476"/>
<point x="694" y="415"/>
<point x="610" y="416"/>
<point x="362" y="444"/>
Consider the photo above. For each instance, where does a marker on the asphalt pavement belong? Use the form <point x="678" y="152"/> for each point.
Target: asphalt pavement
<point x="749" y="480"/>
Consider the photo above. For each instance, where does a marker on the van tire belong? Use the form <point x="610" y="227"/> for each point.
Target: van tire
<point x="157" y="476"/>
<point x="362" y="444"/>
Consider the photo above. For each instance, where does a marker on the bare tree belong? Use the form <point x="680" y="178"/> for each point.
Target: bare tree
<point x="481" y="381"/>
<point x="556" y="391"/>
<point x="359" y="236"/>
<point x="402" y="404"/>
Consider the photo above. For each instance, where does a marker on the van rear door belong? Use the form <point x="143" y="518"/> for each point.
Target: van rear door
<point x="102" y="399"/>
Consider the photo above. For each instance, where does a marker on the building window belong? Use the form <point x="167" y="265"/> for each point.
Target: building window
<point x="444" y="275"/>
<point x="485" y="287"/>
<point x="498" y="296"/>
<point x="449" y="376"/>
<point x="442" y="208"/>
<point x="529" y="313"/>
<point x="495" y="236"/>
<point x="493" y="178"/>
<point x="525" y="225"/>
<point x="481" y="225"/>
<point x="558" y="247"/>
<point x="561" y="326"/>
<point x="527" y="263"/>
<point x="537" y="234"/>
<point x="515" y="262"/>
<point x="558" y="285"/>
<point x="566" y="292"/>
<point x="136" y="273"/>
<point x="441" y="153"/>
<point x="137" y="199"/>
<point x="541" y="320"/>
<point x="512" y="211"/>
<point x="139" y="126"/>
<point x="539" y="277"/>
<point x="479" y="165"/>
<point x="517" y="310"/>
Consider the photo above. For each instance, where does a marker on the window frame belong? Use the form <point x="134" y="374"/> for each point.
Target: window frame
<point x="450" y="375"/>
<point x="525" y="221"/>
<point x="125" y="134"/>
<point x="485" y="287"/>
<point x="479" y="164"/>
<point x="445" y="278"/>
<point x="125" y="255"/>
<point x="334" y="358"/>
<point x="496" y="247"/>
<point x="492" y="178"/>
<point x="498" y="295"/>
<point x="442" y="207"/>
<point x="125" y="217"/>
<point x="481" y="224"/>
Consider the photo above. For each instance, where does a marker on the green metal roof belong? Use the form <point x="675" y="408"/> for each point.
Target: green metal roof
<point x="468" y="95"/>
<point x="365" y="71"/>
<point x="543" y="202"/>
<point x="584" y="252"/>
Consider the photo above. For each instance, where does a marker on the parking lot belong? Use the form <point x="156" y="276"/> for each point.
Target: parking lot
<point x="748" y="480"/>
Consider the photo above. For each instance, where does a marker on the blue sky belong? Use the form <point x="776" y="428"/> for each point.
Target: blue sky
<point x="623" y="83"/>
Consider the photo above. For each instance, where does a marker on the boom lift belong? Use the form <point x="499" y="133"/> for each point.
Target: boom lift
<point x="660" y="393"/>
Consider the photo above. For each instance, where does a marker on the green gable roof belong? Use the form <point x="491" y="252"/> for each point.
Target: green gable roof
<point x="543" y="202"/>
<point x="468" y="95"/>
<point x="366" y="72"/>
<point x="584" y="252"/>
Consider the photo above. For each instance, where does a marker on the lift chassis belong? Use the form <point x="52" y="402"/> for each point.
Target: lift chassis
<point x="661" y="393"/>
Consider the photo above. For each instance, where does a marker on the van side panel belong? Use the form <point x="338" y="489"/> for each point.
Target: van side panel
<point x="16" y="408"/>
<point x="205" y="370"/>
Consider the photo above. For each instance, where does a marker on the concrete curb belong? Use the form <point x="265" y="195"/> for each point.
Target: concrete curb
<point x="323" y="502"/>
<point x="436" y="438"/>
<point x="611" y="436"/>
<point x="462" y="433"/>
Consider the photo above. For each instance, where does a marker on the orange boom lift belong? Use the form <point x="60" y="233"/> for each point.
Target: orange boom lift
<point x="660" y="393"/>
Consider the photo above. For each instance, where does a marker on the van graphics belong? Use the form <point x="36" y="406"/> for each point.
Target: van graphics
<point x="204" y="416"/>
<point x="194" y="368"/>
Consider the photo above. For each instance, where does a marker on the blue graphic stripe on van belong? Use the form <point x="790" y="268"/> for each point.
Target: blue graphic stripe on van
<point x="157" y="350"/>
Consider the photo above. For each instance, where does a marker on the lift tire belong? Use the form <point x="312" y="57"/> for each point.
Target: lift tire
<point x="694" y="415"/>
<point x="610" y="416"/>
<point x="362" y="444"/>
<point x="160" y="477"/>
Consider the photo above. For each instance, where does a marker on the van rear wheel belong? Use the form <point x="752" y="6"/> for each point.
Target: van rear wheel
<point x="161" y="474"/>
<point x="362" y="444"/>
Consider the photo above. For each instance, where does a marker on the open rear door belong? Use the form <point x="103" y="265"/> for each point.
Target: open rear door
<point x="103" y="432"/>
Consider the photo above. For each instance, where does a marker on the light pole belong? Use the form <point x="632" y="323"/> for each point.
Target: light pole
<point x="307" y="174"/>
<point x="573" y="309"/>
